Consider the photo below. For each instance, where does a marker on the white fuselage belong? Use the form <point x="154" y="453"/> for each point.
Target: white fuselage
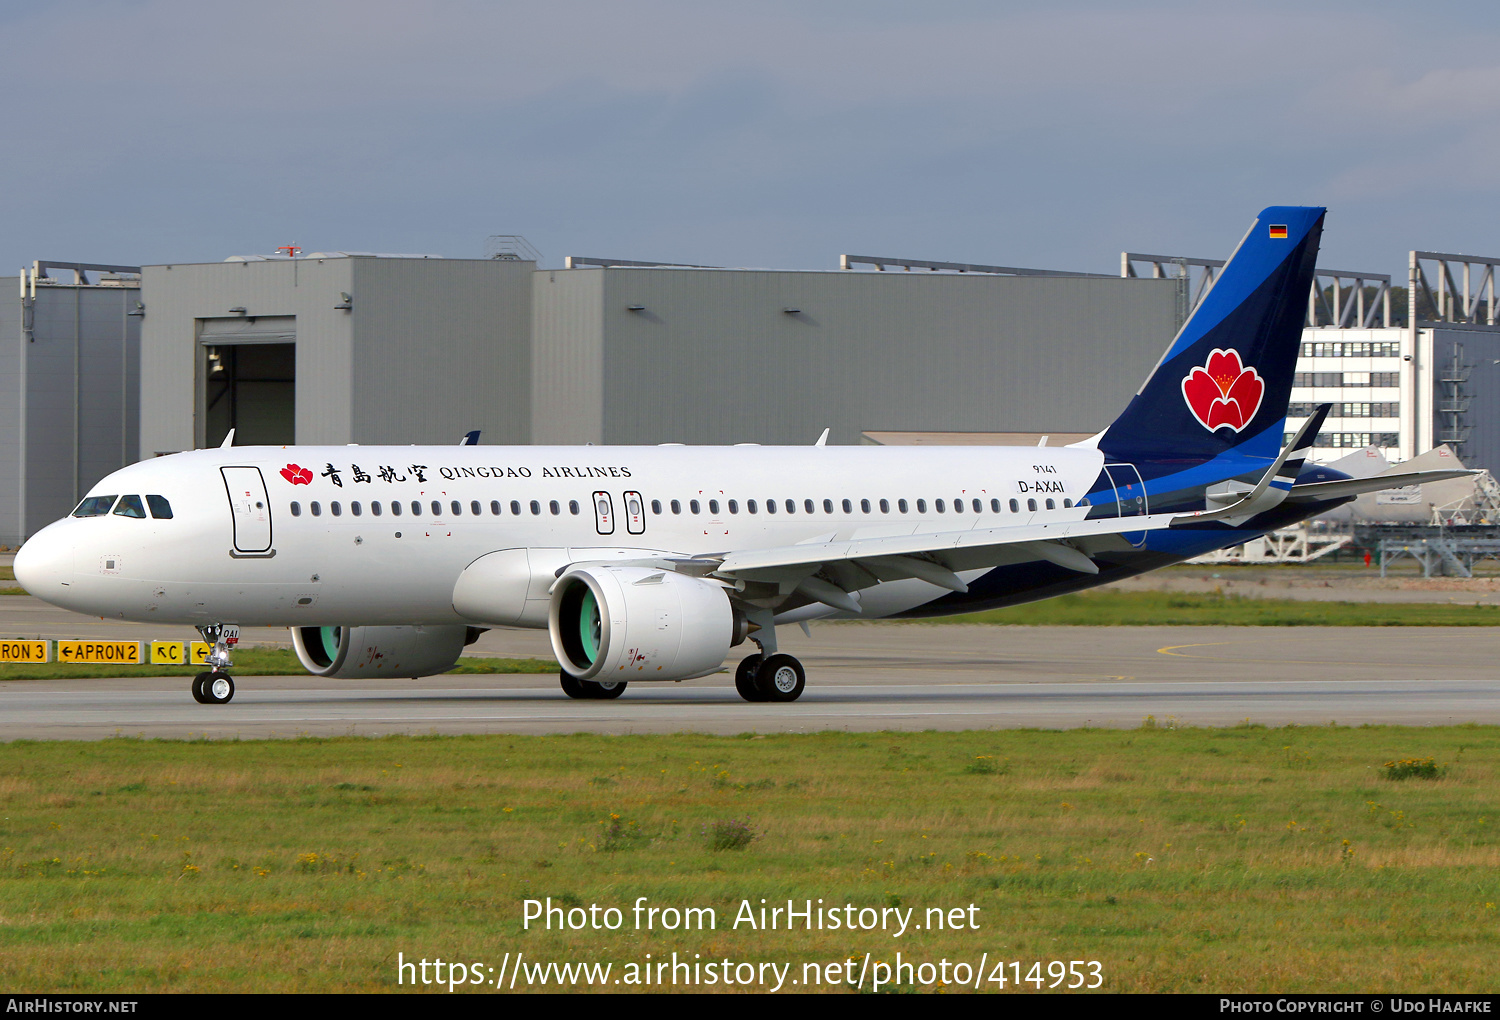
<point x="327" y="548"/>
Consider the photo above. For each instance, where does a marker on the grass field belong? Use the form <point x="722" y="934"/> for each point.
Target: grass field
<point x="1245" y="859"/>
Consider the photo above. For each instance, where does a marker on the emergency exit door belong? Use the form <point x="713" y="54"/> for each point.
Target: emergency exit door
<point x="250" y="507"/>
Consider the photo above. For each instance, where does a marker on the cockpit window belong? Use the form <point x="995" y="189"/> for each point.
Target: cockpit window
<point x="94" y="506"/>
<point x="160" y="508"/>
<point x="130" y="506"/>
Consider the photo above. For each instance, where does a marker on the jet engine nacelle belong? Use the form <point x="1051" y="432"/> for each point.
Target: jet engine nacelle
<point x="634" y="623"/>
<point x="355" y="653"/>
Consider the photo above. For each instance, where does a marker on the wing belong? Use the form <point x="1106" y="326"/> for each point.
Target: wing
<point x="1386" y="480"/>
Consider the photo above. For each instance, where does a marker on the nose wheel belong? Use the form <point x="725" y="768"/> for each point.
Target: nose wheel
<point x="213" y="688"/>
<point x="216" y="687"/>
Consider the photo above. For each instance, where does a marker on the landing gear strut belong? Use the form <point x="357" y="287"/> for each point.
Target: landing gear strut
<point x="769" y="675"/>
<point x="216" y="687"/>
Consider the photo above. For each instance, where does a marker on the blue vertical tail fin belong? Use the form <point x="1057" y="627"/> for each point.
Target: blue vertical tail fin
<point x="1225" y="382"/>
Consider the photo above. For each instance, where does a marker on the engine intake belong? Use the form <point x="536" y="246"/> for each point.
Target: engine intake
<point x="354" y="653"/>
<point x="635" y="623"/>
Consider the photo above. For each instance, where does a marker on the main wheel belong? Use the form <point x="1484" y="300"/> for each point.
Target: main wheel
<point x="198" y="682"/>
<point x="571" y="685"/>
<point x="218" y="689"/>
<point x="605" y="691"/>
<point x="744" y="678"/>
<point x="781" y="678"/>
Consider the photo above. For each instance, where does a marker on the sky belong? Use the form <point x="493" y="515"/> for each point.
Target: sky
<point x="774" y="134"/>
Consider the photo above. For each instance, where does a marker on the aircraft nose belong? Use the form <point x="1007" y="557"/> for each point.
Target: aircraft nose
<point x="44" y="563"/>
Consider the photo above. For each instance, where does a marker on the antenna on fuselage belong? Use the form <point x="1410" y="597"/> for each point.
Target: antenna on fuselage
<point x="823" y="439"/>
<point x="228" y="441"/>
<point x="470" y="439"/>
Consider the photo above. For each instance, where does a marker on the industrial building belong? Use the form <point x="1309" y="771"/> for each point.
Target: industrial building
<point x="69" y="387"/>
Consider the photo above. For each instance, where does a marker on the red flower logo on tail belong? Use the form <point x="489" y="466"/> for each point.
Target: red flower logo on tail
<point x="297" y="475"/>
<point x="1223" y="392"/>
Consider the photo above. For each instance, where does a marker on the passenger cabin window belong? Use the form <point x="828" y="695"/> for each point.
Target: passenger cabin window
<point x="1051" y="504"/>
<point x="885" y="506"/>
<point x="978" y="507"/>
<point x="713" y="507"/>
<point x="1015" y="506"/>
<point x="791" y="506"/>
<point x="901" y="505"/>
<point x="494" y="508"/>
<point x="316" y="508"/>
<point x="474" y="508"/>
<point x="95" y="506"/>
<point x="656" y="507"/>
<point x="676" y="506"/>
<point x="395" y="508"/>
<point x="296" y="509"/>
<point x="515" y="507"/>
<point x="848" y="507"/>
<point x="807" y="505"/>
<point x="770" y="506"/>
<point x="937" y="505"/>
<point x="921" y="506"/>
<point x="130" y="506"/>
<point x="355" y="508"/>
<point x="1067" y="503"/>
<point x="458" y="509"/>
<point x="694" y="507"/>
<point x="1031" y="505"/>
<point x="734" y="506"/>
<point x="994" y="506"/>
<point x="750" y="506"/>
<point x="958" y="506"/>
<point x="336" y="508"/>
<point x="555" y="507"/>
<point x="536" y="508"/>
<point x="437" y="509"/>
<point x="375" y="508"/>
<point x="573" y="507"/>
<point x="416" y="509"/>
<point x="160" y="508"/>
<point x="827" y="506"/>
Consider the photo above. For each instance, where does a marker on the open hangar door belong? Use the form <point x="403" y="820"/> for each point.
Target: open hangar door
<point x="247" y="371"/>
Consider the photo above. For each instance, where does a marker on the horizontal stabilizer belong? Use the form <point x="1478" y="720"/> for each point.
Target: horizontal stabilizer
<point x="1386" y="480"/>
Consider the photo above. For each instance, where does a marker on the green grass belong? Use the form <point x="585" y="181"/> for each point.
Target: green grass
<point x="248" y="662"/>
<point x="1168" y="609"/>
<point x="1245" y="859"/>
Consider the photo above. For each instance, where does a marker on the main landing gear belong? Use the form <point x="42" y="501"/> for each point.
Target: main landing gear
<point x="575" y="687"/>
<point x="216" y="686"/>
<point x="777" y="677"/>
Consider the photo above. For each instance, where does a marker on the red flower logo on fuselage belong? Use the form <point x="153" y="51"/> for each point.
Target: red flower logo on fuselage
<point x="1223" y="392"/>
<point x="297" y="475"/>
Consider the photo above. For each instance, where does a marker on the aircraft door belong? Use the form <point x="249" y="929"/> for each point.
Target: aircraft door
<point x="604" y="513"/>
<point x="1130" y="496"/>
<point x="635" y="513"/>
<point x="251" y="509"/>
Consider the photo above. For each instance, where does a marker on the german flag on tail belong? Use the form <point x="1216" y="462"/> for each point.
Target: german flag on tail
<point x="1278" y="231"/>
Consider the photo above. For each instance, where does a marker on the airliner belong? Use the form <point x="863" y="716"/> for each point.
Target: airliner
<point x="653" y="563"/>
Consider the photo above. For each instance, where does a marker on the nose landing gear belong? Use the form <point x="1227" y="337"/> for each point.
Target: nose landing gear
<point x="216" y="687"/>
